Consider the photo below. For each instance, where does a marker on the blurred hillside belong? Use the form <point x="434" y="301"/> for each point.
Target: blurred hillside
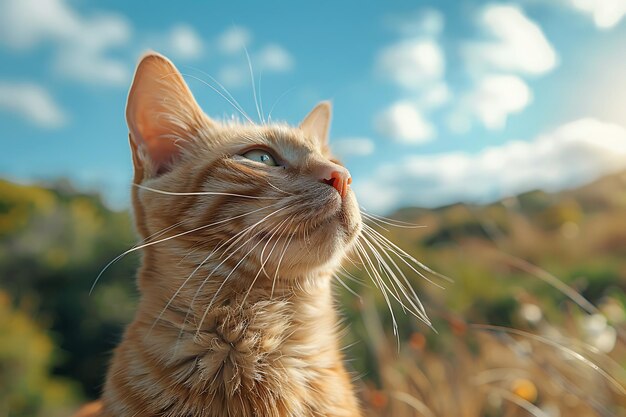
<point x="522" y="263"/>
<point x="55" y="337"/>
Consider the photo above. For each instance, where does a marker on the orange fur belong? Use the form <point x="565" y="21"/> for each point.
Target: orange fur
<point x="236" y="316"/>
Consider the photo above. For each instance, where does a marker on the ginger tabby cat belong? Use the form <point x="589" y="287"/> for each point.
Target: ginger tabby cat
<point x="243" y="228"/>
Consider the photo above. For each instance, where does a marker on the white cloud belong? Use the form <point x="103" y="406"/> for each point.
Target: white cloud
<point x="435" y="96"/>
<point x="81" y="43"/>
<point x="417" y="65"/>
<point x="184" y="42"/>
<point x="412" y="63"/>
<point x="270" y="58"/>
<point x="31" y="102"/>
<point x="404" y="123"/>
<point x="234" y="75"/>
<point x="234" y="40"/>
<point x="495" y="97"/>
<point x="571" y="155"/>
<point x="459" y="121"/>
<point x="274" y="57"/>
<point x="519" y="44"/>
<point x="605" y="13"/>
<point x="25" y="23"/>
<point x="429" y="22"/>
<point x="353" y="147"/>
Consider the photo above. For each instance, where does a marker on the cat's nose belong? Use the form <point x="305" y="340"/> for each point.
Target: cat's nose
<point x="334" y="175"/>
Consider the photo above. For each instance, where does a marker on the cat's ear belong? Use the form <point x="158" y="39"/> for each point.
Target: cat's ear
<point x="317" y="122"/>
<point x="162" y="115"/>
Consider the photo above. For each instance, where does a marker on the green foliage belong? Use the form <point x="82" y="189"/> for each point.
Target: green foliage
<point x="53" y="244"/>
<point x="27" y="356"/>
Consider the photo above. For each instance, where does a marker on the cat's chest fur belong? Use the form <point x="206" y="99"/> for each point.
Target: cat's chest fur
<point x="269" y="358"/>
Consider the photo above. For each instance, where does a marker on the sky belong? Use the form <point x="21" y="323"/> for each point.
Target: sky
<point x="434" y="102"/>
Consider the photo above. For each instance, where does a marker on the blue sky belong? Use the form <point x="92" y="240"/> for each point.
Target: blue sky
<point x="434" y="101"/>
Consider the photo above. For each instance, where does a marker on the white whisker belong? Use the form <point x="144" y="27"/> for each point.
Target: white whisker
<point x="362" y="254"/>
<point x="260" y="97"/>
<point x="381" y="244"/>
<point x="233" y="270"/>
<point x="408" y="284"/>
<point x="269" y="117"/>
<point x="344" y="285"/>
<point x="280" y="259"/>
<point x="417" y="310"/>
<point x="256" y="103"/>
<point x="143" y="187"/>
<point x="279" y="228"/>
<point x="136" y="248"/>
<point x="403" y="254"/>
<point x="390" y="222"/>
<point x="222" y="95"/>
<point x="234" y="102"/>
<point x="278" y="189"/>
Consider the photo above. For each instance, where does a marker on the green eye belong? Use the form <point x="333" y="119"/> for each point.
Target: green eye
<point x="259" y="155"/>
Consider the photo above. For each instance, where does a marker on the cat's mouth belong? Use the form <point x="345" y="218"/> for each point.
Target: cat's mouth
<point x="339" y="214"/>
<point x="333" y="218"/>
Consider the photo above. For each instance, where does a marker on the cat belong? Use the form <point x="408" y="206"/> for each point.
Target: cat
<point x="245" y="225"/>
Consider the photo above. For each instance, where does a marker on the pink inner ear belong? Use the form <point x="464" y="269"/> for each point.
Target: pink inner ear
<point x="162" y="151"/>
<point x="154" y="137"/>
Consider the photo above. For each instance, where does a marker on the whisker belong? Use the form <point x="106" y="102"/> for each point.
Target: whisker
<point x="280" y="259"/>
<point x="136" y="248"/>
<point x="391" y="222"/>
<point x="256" y="103"/>
<point x="143" y="187"/>
<point x="195" y="248"/>
<point x="206" y="311"/>
<point x="417" y="310"/>
<point x="233" y="270"/>
<point x="236" y="238"/>
<point x="351" y="277"/>
<point x="278" y="189"/>
<point x="400" y="256"/>
<point x="269" y="117"/>
<point x="374" y="221"/>
<point x="238" y="106"/>
<point x="286" y="228"/>
<point x="403" y="254"/>
<point x="408" y="284"/>
<point x="222" y="95"/>
<point x="260" y="97"/>
<point x="241" y="233"/>
<point x="187" y="280"/>
<point x="362" y="254"/>
<point x="200" y="265"/>
<point x="279" y="227"/>
<point x="344" y="285"/>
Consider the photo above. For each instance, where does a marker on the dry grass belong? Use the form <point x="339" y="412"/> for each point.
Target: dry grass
<point x="491" y="371"/>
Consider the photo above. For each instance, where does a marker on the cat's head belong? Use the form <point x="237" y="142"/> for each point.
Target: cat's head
<point x="268" y="195"/>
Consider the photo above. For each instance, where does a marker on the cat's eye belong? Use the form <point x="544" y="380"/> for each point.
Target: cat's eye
<point x="262" y="156"/>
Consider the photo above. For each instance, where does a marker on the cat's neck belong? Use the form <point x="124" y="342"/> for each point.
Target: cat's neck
<point x="273" y="349"/>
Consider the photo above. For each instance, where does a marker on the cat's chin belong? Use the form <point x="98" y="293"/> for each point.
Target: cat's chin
<point x="333" y="235"/>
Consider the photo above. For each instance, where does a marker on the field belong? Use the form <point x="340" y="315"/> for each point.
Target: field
<point x="531" y="322"/>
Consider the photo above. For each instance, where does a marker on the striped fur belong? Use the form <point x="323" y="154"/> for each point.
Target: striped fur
<point x="236" y="316"/>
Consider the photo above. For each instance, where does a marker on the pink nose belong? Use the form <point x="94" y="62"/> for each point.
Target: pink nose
<point x="335" y="175"/>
